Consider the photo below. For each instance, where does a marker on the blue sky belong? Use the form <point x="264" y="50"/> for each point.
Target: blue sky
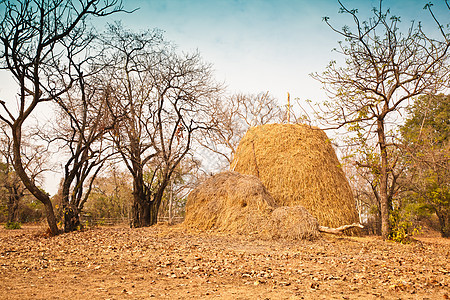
<point x="260" y="45"/>
<point x="255" y="45"/>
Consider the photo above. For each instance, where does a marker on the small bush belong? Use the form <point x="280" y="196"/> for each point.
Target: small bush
<point x="13" y="225"/>
<point x="403" y="225"/>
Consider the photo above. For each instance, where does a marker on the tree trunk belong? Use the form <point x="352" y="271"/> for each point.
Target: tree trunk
<point x="444" y="223"/>
<point x="70" y="210"/>
<point x="144" y="213"/>
<point x="384" y="201"/>
<point x="153" y="210"/>
<point x="170" y="203"/>
<point x="51" y="219"/>
<point x="71" y="218"/>
<point x="38" y="193"/>
<point x="141" y="210"/>
<point x="145" y="209"/>
<point x="13" y="209"/>
<point x="134" y="214"/>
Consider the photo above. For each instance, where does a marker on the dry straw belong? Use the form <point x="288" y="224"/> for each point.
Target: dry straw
<point x="298" y="166"/>
<point x="232" y="202"/>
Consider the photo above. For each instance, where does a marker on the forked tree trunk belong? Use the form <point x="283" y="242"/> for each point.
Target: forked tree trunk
<point x="141" y="206"/>
<point x="145" y="207"/>
<point x="71" y="211"/>
<point x="144" y="213"/>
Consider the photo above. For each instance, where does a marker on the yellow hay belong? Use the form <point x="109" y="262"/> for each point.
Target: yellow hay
<point x="293" y="222"/>
<point x="232" y="202"/>
<point x="298" y="166"/>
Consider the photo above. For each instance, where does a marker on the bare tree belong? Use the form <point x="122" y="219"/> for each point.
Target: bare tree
<point x="37" y="39"/>
<point x="162" y="96"/>
<point x="84" y="119"/>
<point x="384" y="68"/>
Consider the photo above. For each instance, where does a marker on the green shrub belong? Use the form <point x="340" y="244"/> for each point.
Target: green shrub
<point x="13" y="225"/>
<point x="403" y="225"/>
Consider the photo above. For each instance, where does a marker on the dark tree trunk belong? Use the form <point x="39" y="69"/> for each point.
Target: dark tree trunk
<point x="13" y="208"/>
<point x="444" y="222"/>
<point x="141" y="203"/>
<point x="156" y="203"/>
<point x="71" y="218"/>
<point x="70" y="209"/>
<point x="144" y="213"/>
<point x="146" y="205"/>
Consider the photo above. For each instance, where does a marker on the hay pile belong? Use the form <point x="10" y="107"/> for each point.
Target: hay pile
<point x="232" y="202"/>
<point x="293" y="222"/>
<point x="298" y="166"/>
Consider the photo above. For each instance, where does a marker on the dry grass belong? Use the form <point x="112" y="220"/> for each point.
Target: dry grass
<point x="232" y="202"/>
<point x="298" y="166"/>
<point x="293" y="222"/>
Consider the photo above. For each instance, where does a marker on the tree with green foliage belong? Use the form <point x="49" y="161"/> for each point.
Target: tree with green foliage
<point x="426" y="140"/>
<point x="384" y="68"/>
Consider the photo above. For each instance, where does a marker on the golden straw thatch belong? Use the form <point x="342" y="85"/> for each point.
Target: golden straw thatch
<point x="232" y="202"/>
<point x="298" y="166"/>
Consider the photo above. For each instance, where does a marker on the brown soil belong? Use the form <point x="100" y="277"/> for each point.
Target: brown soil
<point x="164" y="262"/>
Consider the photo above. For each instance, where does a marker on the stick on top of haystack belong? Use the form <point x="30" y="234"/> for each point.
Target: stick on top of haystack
<point x="288" y="108"/>
<point x="298" y="166"/>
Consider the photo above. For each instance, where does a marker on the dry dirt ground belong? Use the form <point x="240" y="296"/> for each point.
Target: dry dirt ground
<point x="165" y="262"/>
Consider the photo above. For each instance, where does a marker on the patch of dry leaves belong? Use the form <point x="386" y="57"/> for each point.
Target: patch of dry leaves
<point x="164" y="262"/>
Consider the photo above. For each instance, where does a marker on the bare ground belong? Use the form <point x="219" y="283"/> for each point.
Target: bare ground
<point x="165" y="262"/>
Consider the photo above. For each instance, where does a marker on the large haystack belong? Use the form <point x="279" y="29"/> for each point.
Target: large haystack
<point x="232" y="202"/>
<point x="298" y="166"/>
